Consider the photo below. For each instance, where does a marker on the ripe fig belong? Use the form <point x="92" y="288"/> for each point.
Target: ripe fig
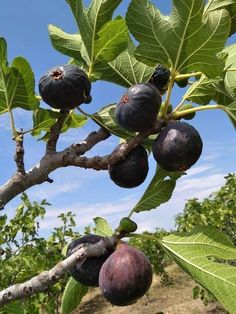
<point x="125" y="276"/>
<point x="160" y="78"/>
<point x="189" y="116"/>
<point x="138" y="108"/>
<point x="131" y="171"/>
<point x="177" y="147"/>
<point x="127" y="225"/>
<point x="87" y="273"/>
<point x="65" y="87"/>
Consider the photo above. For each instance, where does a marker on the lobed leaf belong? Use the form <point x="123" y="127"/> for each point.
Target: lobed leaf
<point x="125" y="70"/>
<point x="91" y="23"/>
<point x="159" y="190"/>
<point x="16" y="83"/>
<point x="102" y="227"/>
<point x="68" y="44"/>
<point x="72" y="296"/>
<point x="205" y="254"/>
<point x="230" y="76"/>
<point x="171" y="40"/>
<point x="204" y="90"/>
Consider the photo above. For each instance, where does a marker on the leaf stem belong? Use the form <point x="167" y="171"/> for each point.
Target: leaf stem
<point x="164" y="108"/>
<point x="13" y="127"/>
<point x="179" y="114"/>
<point x="231" y="69"/>
<point x="184" y="76"/>
<point x="138" y="235"/>
<point x="84" y="113"/>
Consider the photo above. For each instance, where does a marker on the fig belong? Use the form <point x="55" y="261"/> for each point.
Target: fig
<point x="177" y="147"/>
<point x="189" y="116"/>
<point x="182" y="83"/>
<point x="65" y="87"/>
<point x="132" y="170"/>
<point x="127" y="225"/>
<point x="87" y="273"/>
<point x="125" y="276"/>
<point x="160" y="78"/>
<point x="138" y="107"/>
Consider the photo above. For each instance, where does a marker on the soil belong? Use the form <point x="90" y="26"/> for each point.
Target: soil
<point x="173" y="299"/>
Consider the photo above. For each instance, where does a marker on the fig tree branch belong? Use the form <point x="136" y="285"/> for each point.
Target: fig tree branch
<point x="44" y="280"/>
<point x="19" y="155"/>
<point x="71" y="156"/>
<point x="55" y="132"/>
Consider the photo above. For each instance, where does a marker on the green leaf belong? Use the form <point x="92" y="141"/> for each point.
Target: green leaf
<point x="74" y="120"/>
<point x="231" y="111"/>
<point x="90" y="21"/>
<point x="125" y="70"/>
<point x="111" y="41"/>
<point x="106" y="118"/>
<point x="3" y="53"/>
<point x="229" y="5"/>
<point x="203" y="254"/>
<point x="68" y="44"/>
<point x="102" y="227"/>
<point x="213" y="5"/>
<point x="16" y="84"/>
<point x="43" y="120"/>
<point x="205" y="90"/>
<point x="230" y="76"/>
<point x="72" y="296"/>
<point x="171" y="40"/>
<point x="159" y="190"/>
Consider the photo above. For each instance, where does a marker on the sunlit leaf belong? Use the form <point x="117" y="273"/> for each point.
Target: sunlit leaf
<point x="72" y="296"/>
<point x="159" y="190"/>
<point x="102" y="227"/>
<point x="204" y="254"/>
<point x="171" y="40"/>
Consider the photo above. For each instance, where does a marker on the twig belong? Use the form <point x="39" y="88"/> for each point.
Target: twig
<point x="41" y="282"/>
<point x="71" y="157"/>
<point x="19" y="155"/>
<point x="55" y="132"/>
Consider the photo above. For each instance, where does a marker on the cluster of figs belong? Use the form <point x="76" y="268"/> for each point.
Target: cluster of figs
<point x="123" y="273"/>
<point x="177" y="146"/>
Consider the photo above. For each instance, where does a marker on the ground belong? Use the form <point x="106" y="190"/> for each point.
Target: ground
<point x="174" y="299"/>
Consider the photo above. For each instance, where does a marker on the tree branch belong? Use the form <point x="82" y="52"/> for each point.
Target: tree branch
<point x="55" y="132"/>
<point x="19" y="155"/>
<point x="41" y="282"/>
<point x="71" y="157"/>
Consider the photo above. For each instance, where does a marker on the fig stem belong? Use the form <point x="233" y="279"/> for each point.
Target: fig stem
<point x="178" y="114"/>
<point x="164" y="108"/>
<point x="187" y="75"/>
<point x="230" y="69"/>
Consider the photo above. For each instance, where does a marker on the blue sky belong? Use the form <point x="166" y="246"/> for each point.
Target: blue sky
<point x="89" y="193"/>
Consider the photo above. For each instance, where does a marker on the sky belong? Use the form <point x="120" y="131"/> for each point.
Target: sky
<point x="89" y="193"/>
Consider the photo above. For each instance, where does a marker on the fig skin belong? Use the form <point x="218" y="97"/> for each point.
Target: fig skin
<point x="87" y="273"/>
<point x="160" y="78"/>
<point x="138" y="107"/>
<point x="125" y="276"/>
<point x="177" y="147"/>
<point x="132" y="170"/>
<point x="65" y="87"/>
<point x="189" y="116"/>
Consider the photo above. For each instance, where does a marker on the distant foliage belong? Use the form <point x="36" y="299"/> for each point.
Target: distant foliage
<point x="23" y="254"/>
<point x="218" y="210"/>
